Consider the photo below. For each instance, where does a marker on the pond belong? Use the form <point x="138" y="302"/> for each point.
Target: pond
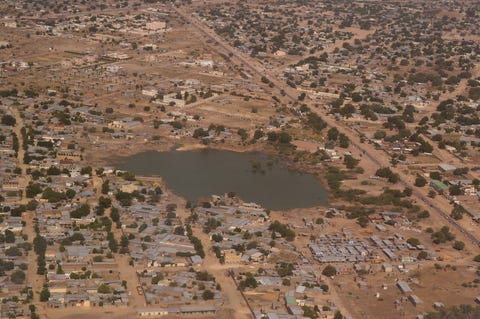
<point x="254" y="177"/>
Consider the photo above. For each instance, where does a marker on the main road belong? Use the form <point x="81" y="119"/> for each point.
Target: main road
<point x="375" y="157"/>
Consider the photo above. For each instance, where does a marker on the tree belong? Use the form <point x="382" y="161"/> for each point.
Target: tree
<point x="362" y="221"/>
<point x="350" y="162"/>
<point x="103" y="289"/>
<point x="33" y="189"/>
<point x="114" y="215"/>
<point x="316" y="122"/>
<point x="413" y="241"/>
<point x="332" y="134"/>
<point x="208" y="294"/>
<point x="283" y="230"/>
<point x="309" y="312"/>
<point x="249" y="281"/>
<point x="284" y="138"/>
<point x="436" y="175"/>
<point x="286" y="282"/>
<point x="457" y="212"/>
<point x="407" y="192"/>
<point x="9" y="120"/>
<point x="86" y="170"/>
<point x="18" y="277"/>
<point x="81" y="211"/>
<point x="70" y="193"/>
<point x="422" y="255"/>
<point x="32" y="205"/>
<point x="338" y="315"/>
<point x="343" y="140"/>
<point x="386" y="172"/>
<point x="243" y="133"/>
<point x="104" y="202"/>
<point x="329" y="271"/>
<point x="44" y="294"/>
<point x="459" y="245"/>
<point x="105" y="187"/>
<point x="258" y="134"/>
<point x="53" y="196"/>
<point x="423" y="214"/>
<point x="9" y="236"/>
<point x="474" y="93"/>
<point x="443" y="235"/>
<point x="420" y="181"/>
<point x="455" y="190"/>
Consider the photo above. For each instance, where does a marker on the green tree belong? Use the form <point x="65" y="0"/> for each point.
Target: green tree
<point x="332" y="134"/>
<point x="329" y="271"/>
<point x="9" y="236"/>
<point x="8" y="120"/>
<point x="103" y="289"/>
<point x="343" y="140"/>
<point x="459" y="245"/>
<point x="208" y="294"/>
<point x="362" y="221"/>
<point x="413" y="241"/>
<point x="420" y="181"/>
<point x="33" y="189"/>
<point x="44" y="294"/>
<point x="422" y="255"/>
<point x="243" y="133"/>
<point x="350" y="162"/>
<point x="104" y="202"/>
<point x="105" y="187"/>
<point x="284" y="138"/>
<point x="258" y="134"/>
<point x="70" y="193"/>
<point x="338" y="315"/>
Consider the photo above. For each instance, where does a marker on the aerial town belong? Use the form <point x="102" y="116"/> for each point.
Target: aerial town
<point x="272" y="159"/>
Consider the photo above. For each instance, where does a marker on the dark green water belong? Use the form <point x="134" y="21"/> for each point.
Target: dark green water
<point x="195" y="174"/>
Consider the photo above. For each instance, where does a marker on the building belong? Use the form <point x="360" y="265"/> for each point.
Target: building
<point x="69" y="154"/>
<point x="152" y="312"/>
<point x="447" y="167"/>
<point x="415" y="300"/>
<point x="403" y="286"/>
<point x="438" y="186"/>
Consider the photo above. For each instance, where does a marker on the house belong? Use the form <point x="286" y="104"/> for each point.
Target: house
<point x="152" y="312"/>
<point x="447" y="167"/>
<point x="387" y="267"/>
<point x="438" y="185"/>
<point x="415" y="300"/>
<point x="69" y="154"/>
<point x="403" y="286"/>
